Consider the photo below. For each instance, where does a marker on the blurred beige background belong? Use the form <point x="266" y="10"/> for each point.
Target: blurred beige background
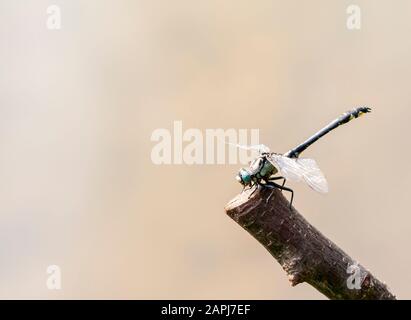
<point x="78" y="106"/>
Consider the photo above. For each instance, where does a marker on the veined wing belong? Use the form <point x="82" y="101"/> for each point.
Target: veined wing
<point x="260" y="148"/>
<point x="300" y="169"/>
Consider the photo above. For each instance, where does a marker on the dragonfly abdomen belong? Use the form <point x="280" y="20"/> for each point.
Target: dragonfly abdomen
<point x="344" y="118"/>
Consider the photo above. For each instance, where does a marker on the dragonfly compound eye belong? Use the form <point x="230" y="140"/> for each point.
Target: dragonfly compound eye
<point x="244" y="177"/>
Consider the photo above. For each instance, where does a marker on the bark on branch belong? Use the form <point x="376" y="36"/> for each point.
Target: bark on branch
<point x="303" y="252"/>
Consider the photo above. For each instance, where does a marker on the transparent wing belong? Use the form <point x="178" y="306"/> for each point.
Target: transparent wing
<point x="260" y="148"/>
<point x="300" y="169"/>
<point x="313" y="176"/>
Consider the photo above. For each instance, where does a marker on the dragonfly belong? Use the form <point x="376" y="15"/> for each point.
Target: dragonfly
<point x="269" y="167"/>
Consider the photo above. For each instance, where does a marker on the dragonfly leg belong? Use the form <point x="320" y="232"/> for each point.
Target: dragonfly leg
<point x="279" y="178"/>
<point x="276" y="178"/>
<point x="247" y="187"/>
<point x="255" y="189"/>
<point x="269" y="197"/>
<point x="275" y="185"/>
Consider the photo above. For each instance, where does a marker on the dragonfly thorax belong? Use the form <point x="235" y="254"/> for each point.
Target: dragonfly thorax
<point x="267" y="169"/>
<point x="260" y="169"/>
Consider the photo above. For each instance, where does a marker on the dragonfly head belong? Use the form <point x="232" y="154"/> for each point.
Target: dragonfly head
<point x="244" y="177"/>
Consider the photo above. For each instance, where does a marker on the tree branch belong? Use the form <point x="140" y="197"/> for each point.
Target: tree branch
<point x="303" y="252"/>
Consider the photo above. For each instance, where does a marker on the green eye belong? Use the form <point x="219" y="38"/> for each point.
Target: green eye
<point x="245" y="176"/>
